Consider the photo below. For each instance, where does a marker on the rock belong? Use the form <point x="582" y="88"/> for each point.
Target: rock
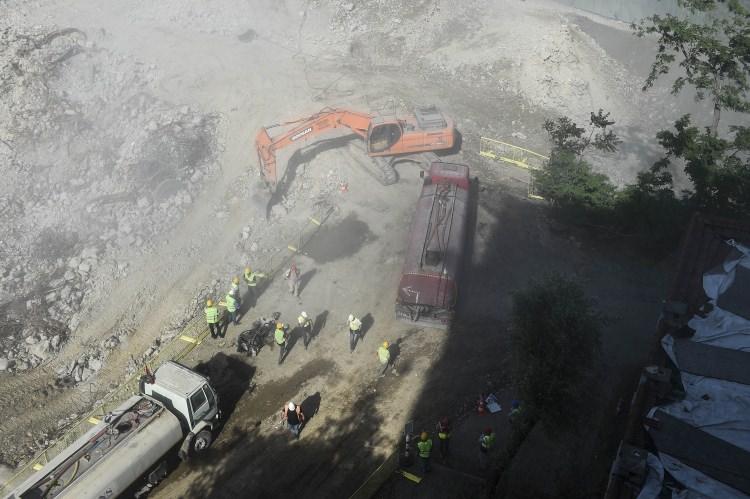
<point x="41" y="349"/>
<point x="349" y="6"/>
<point x="95" y="364"/>
<point x="54" y="343"/>
<point x="254" y="247"/>
<point x="65" y="293"/>
<point x="111" y="342"/>
<point x="74" y="262"/>
<point x="89" y="253"/>
<point x="32" y="340"/>
<point x="86" y="374"/>
<point x="4" y="364"/>
<point x="278" y="211"/>
<point x="84" y="268"/>
<point x="51" y="297"/>
<point x="21" y="365"/>
<point x="69" y="276"/>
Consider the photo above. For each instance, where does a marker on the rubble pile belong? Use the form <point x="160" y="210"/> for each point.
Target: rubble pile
<point x="95" y="170"/>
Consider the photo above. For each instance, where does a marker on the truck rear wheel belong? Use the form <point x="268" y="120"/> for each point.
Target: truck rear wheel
<point x="201" y="442"/>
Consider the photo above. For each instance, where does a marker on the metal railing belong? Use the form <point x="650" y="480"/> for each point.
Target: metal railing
<point x="527" y="159"/>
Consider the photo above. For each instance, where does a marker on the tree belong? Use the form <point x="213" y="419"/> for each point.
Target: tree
<point x="718" y="167"/>
<point x="715" y="55"/>
<point x="567" y="136"/>
<point x="569" y="181"/>
<point x="556" y="339"/>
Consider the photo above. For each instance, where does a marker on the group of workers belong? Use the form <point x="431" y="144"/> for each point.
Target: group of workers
<point x="443" y="428"/>
<point x="292" y="413"/>
<point x="282" y="333"/>
<point x="232" y="302"/>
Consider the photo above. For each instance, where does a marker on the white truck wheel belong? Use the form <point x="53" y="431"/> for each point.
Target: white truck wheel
<point x="202" y="441"/>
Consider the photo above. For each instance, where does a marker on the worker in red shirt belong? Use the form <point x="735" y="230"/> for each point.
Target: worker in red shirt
<point x="293" y="279"/>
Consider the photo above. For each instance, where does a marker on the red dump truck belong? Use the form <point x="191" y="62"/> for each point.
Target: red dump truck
<point x="428" y="288"/>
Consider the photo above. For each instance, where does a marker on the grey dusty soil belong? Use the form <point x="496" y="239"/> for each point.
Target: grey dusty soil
<point x="131" y="193"/>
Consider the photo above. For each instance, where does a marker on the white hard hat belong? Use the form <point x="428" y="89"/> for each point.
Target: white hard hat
<point x="291" y="406"/>
<point x="351" y="317"/>
<point x="304" y="314"/>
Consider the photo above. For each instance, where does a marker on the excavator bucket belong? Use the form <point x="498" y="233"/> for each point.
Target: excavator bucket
<point x="266" y="158"/>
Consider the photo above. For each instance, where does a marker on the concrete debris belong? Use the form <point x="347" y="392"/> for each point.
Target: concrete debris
<point x="108" y="148"/>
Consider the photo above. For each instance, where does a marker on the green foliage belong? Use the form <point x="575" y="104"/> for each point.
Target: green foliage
<point x="568" y="136"/>
<point x="648" y="211"/>
<point x="556" y="339"/>
<point x="569" y="182"/>
<point x="714" y="56"/>
<point x="718" y="167"/>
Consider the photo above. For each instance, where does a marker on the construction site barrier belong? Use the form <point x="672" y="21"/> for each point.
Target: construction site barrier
<point x="497" y="150"/>
<point x="189" y="338"/>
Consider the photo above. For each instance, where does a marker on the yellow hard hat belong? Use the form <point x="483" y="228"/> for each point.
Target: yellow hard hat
<point x="248" y="270"/>
<point x="236" y="280"/>
<point x="385" y="344"/>
<point x="209" y="302"/>
<point x="279" y="325"/>
<point x="424" y="436"/>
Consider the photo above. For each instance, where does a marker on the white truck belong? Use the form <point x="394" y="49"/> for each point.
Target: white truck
<point x="127" y="451"/>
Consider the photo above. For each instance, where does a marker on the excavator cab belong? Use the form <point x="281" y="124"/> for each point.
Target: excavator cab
<point x="383" y="136"/>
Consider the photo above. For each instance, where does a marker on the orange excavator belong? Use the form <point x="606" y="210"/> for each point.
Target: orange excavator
<point x="388" y="140"/>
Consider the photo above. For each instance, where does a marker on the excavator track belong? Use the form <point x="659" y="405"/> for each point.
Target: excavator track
<point x="382" y="168"/>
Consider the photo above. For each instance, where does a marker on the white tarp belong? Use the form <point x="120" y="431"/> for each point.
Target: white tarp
<point x="718" y="407"/>
<point x="654" y="477"/>
<point x="696" y="481"/>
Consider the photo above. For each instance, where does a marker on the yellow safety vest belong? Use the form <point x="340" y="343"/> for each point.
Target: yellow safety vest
<point x="384" y="355"/>
<point x="212" y="315"/>
<point x="355" y="325"/>
<point x="304" y="322"/>
<point x="279" y="336"/>
<point x="231" y="303"/>
<point x="424" y="447"/>
<point x="252" y="278"/>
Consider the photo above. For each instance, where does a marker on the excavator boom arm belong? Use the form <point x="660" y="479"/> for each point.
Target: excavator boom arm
<point x="303" y="130"/>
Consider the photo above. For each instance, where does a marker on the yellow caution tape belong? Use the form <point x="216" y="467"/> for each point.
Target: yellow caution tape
<point x="292" y="248"/>
<point x="189" y="339"/>
<point x="410" y="476"/>
<point x="316" y="222"/>
<point x="94" y="420"/>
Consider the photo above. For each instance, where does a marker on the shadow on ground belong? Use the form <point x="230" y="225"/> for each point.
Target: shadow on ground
<point x="515" y="243"/>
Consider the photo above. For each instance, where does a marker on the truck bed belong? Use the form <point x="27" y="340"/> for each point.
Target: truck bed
<point x="110" y="456"/>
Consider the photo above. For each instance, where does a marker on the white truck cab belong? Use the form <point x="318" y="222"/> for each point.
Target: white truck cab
<point x="177" y="409"/>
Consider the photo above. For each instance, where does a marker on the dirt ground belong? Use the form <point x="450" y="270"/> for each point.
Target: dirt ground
<point x="131" y="163"/>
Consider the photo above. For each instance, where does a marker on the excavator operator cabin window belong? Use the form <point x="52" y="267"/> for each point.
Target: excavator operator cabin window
<point x="383" y="137"/>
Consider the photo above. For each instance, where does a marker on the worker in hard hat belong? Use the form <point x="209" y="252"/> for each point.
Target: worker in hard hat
<point x="355" y="328"/>
<point x="294" y="417"/>
<point x="251" y="279"/>
<point x="384" y="355"/>
<point x="424" y="448"/>
<point x="212" y="318"/>
<point x="444" y="437"/>
<point x="306" y="325"/>
<point x="292" y="276"/>
<point x="235" y="289"/>
<point x="486" y="442"/>
<point x="231" y="301"/>
<point x="281" y="338"/>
